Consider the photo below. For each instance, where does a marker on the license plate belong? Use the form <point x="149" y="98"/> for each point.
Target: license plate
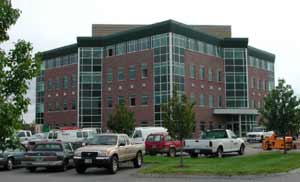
<point x="154" y="146"/>
<point x="88" y="161"/>
<point x="197" y="151"/>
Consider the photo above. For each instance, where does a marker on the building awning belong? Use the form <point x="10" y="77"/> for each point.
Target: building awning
<point x="235" y="111"/>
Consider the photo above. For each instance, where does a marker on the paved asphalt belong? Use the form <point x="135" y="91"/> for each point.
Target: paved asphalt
<point x="127" y="173"/>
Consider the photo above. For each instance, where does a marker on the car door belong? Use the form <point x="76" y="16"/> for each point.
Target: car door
<point x="235" y="145"/>
<point x="227" y="142"/>
<point x="122" y="149"/>
<point x="131" y="149"/>
<point x="19" y="153"/>
<point x="69" y="153"/>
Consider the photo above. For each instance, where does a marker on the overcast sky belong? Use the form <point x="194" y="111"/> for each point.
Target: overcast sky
<point x="270" y="25"/>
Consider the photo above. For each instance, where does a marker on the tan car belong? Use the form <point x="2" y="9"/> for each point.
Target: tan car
<point x="108" y="150"/>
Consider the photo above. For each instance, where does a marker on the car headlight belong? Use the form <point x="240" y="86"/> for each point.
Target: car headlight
<point x="77" y="154"/>
<point x="102" y="153"/>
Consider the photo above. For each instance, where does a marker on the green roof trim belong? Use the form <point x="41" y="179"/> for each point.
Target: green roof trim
<point x="234" y="43"/>
<point x="61" y="51"/>
<point x="145" y="31"/>
<point x="154" y="29"/>
<point x="258" y="53"/>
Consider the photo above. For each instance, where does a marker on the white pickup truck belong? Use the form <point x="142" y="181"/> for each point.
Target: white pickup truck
<point x="215" y="142"/>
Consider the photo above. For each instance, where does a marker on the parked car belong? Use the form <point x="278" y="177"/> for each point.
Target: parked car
<point x="24" y="135"/>
<point x="162" y="143"/>
<point x="256" y="135"/>
<point x="49" y="155"/>
<point x="12" y="157"/>
<point x="108" y="150"/>
<point x="215" y="142"/>
<point x="141" y="133"/>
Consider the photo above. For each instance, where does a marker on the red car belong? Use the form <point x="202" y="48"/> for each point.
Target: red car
<point x="162" y="143"/>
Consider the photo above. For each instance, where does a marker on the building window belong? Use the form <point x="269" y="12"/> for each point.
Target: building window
<point x="74" y="80"/>
<point x="65" y="104"/>
<point x="49" y="84"/>
<point x="220" y="101"/>
<point x="192" y="71"/>
<point x="49" y="106"/>
<point x="202" y="73"/>
<point x="73" y="104"/>
<point x="202" y="126"/>
<point x="260" y="85"/>
<point x="211" y="101"/>
<point x="121" y="100"/>
<point x="109" y="75"/>
<point x="57" y="106"/>
<point x="219" y="75"/>
<point x="109" y="101"/>
<point x="266" y="85"/>
<point x="210" y="75"/>
<point x="144" y="100"/>
<point x="132" y="100"/>
<point x="202" y="100"/>
<point x="144" y="70"/>
<point x="121" y="49"/>
<point x="192" y="99"/>
<point x="253" y="82"/>
<point x="57" y="83"/>
<point x="132" y="72"/>
<point x="65" y="82"/>
<point x="120" y="73"/>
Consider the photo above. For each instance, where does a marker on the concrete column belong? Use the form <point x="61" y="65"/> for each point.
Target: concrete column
<point x="240" y="125"/>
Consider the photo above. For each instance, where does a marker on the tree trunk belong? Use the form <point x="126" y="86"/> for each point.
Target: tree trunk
<point x="284" y="145"/>
<point x="181" y="151"/>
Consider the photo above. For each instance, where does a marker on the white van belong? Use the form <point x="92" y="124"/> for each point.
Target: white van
<point x="141" y="133"/>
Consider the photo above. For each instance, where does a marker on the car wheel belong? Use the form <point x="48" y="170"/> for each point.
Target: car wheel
<point x="64" y="167"/>
<point x="138" y="161"/>
<point x="9" y="164"/>
<point x="114" y="165"/>
<point x="242" y="149"/>
<point x="31" y="169"/>
<point x="172" y="152"/>
<point x="80" y="169"/>
<point x="220" y="152"/>
<point x="194" y="155"/>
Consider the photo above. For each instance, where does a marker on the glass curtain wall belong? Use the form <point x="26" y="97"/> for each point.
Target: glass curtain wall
<point x="236" y="77"/>
<point x="90" y="79"/>
<point x="160" y="45"/>
<point x="40" y="91"/>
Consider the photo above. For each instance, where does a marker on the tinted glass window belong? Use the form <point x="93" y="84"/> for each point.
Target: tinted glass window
<point x="103" y="140"/>
<point x="48" y="147"/>
<point x="137" y="134"/>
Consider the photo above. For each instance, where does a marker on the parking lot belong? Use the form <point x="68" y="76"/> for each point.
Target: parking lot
<point x="127" y="173"/>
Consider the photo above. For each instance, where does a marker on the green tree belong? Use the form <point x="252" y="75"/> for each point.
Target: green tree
<point x="280" y="110"/>
<point x="179" y="119"/>
<point x="122" y="120"/>
<point x="17" y="68"/>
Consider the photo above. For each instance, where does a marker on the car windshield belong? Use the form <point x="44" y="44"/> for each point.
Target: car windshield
<point x="48" y="147"/>
<point x="104" y="140"/>
<point x="21" y="134"/>
<point x="214" y="134"/>
<point x="258" y="129"/>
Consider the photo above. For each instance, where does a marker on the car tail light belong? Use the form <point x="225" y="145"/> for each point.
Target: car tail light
<point x="210" y="143"/>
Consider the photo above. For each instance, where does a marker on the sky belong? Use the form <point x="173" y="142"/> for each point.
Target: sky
<point x="271" y="25"/>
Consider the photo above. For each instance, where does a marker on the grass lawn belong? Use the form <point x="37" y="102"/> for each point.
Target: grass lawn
<point x="264" y="163"/>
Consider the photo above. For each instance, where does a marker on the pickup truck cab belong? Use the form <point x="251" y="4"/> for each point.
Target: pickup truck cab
<point x="215" y="142"/>
<point x="162" y="143"/>
<point x="108" y="150"/>
<point x="257" y="134"/>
